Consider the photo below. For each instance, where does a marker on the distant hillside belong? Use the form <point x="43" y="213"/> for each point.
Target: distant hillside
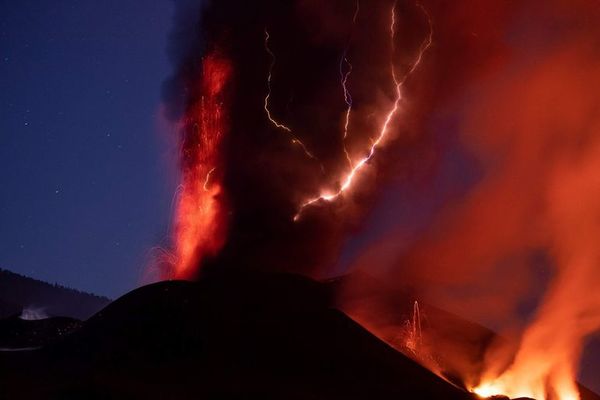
<point x="19" y="292"/>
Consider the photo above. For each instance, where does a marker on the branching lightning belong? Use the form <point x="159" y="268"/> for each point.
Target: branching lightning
<point x="348" y="100"/>
<point x="273" y="121"/>
<point x="398" y="83"/>
<point x="344" y="75"/>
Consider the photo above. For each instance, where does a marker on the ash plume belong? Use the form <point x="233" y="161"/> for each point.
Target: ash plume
<point x="287" y="110"/>
<point x="300" y="93"/>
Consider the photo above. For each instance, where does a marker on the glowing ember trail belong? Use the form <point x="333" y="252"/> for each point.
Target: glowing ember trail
<point x="349" y="178"/>
<point x="413" y="341"/>
<point x="198" y="217"/>
<point x="275" y="123"/>
<point x="344" y="81"/>
<point x="207" y="180"/>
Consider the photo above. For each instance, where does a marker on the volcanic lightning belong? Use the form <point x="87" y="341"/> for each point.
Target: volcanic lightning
<point x="344" y="75"/>
<point x="273" y="121"/>
<point x="348" y="100"/>
<point x="398" y="83"/>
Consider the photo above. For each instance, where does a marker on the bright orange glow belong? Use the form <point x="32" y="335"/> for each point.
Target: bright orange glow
<point x="346" y="182"/>
<point x="543" y="369"/>
<point x="199" y="221"/>
<point x="527" y="384"/>
<point x="546" y="359"/>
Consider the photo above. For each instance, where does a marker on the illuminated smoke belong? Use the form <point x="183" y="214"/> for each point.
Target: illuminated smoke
<point x="514" y="246"/>
<point x="282" y="79"/>
<point x="508" y="88"/>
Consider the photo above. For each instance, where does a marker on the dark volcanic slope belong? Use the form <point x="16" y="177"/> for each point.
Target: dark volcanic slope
<point x="17" y="333"/>
<point x="238" y="337"/>
<point x="256" y="336"/>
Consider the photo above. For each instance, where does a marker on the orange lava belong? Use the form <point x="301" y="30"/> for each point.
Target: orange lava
<point x="199" y="216"/>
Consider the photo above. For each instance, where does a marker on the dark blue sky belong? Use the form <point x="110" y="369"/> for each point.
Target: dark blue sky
<point x="85" y="173"/>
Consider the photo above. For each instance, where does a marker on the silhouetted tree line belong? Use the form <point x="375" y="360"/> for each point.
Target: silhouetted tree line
<point x="18" y="292"/>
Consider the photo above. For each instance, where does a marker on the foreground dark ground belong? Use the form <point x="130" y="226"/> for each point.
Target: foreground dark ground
<point x="255" y="336"/>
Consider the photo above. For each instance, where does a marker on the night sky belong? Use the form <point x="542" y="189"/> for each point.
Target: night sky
<point x="86" y="171"/>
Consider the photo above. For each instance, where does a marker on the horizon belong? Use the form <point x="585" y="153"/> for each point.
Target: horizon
<point x="86" y="166"/>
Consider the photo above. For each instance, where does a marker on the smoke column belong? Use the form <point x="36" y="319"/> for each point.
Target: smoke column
<point x="285" y="158"/>
<point x="296" y="116"/>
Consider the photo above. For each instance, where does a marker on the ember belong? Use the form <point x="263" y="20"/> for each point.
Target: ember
<point x="199" y="219"/>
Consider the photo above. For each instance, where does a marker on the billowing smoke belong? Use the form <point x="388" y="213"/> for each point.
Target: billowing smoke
<point x="281" y="102"/>
<point x="524" y="231"/>
<point x="313" y="94"/>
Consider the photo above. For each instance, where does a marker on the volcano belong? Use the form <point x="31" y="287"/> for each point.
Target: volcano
<point x="243" y="335"/>
<point x="448" y="149"/>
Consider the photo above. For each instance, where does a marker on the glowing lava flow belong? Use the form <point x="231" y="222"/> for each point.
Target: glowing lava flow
<point x="344" y="81"/>
<point x="509" y="386"/>
<point x="348" y="180"/>
<point x="198" y="217"/>
<point x="543" y="368"/>
<point x="275" y="123"/>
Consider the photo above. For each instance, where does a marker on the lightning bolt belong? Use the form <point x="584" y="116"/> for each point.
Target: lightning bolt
<point x="273" y="121"/>
<point x="398" y="83"/>
<point x="344" y="81"/>
<point x="348" y="100"/>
